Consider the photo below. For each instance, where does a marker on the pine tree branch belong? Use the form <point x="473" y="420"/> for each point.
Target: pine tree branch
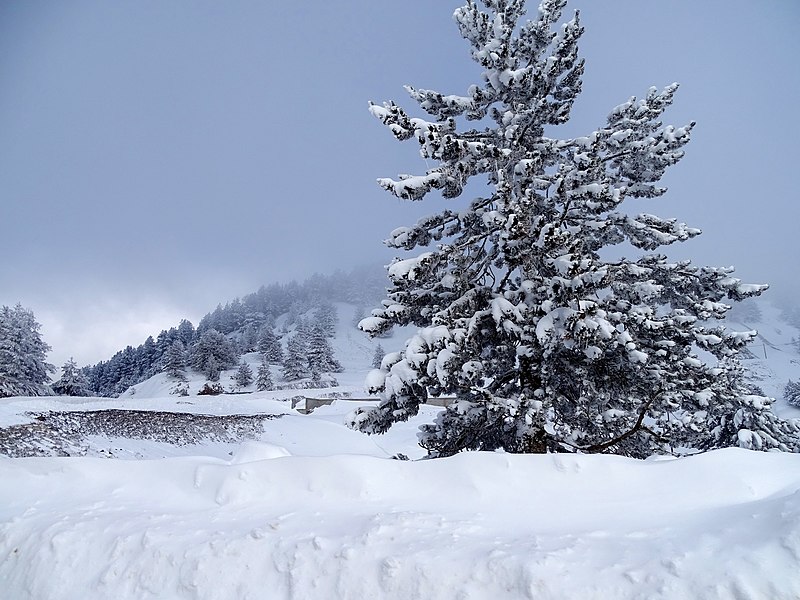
<point x="638" y="426"/>
<point x="504" y="281"/>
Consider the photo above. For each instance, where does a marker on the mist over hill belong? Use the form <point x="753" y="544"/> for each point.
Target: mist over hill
<point x="280" y="307"/>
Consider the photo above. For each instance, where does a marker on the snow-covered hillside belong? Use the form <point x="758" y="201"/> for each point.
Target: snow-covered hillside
<point x="242" y="496"/>
<point x="775" y="355"/>
<point x="352" y="348"/>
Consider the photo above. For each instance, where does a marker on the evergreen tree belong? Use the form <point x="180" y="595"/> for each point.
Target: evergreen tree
<point x="212" y="369"/>
<point x="264" y="377"/>
<point x="269" y="345"/>
<point x="249" y="339"/>
<point x="73" y="381"/>
<point x="175" y="360"/>
<point x="186" y="332"/>
<point x="548" y="341"/>
<point x="319" y="353"/>
<point x="244" y="375"/>
<point x="303" y="328"/>
<point x="146" y="361"/>
<point x="326" y="318"/>
<point x="377" y="358"/>
<point x="316" y="378"/>
<point x="295" y="364"/>
<point x="791" y="393"/>
<point x="23" y="366"/>
<point x="211" y="353"/>
<point x="746" y="312"/>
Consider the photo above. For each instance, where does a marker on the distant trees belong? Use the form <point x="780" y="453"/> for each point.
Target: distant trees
<point x="319" y="354"/>
<point x="73" y="382"/>
<point x="248" y="340"/>
<point x="747" y="312"/>
<point x="358" y="314"/>
<point x="377" y="357"/>
<point x="269" y="345"/>
<point x="132" y="365"/>
<point x="309" y="353"/>
<point x="174" y="361"/>
<point x="325" y="318"/>
<point x="211" y="353"/>
<point x="248" y="323"/>
<point x="791" y="393"/>
<point x="295" y="365"/>
<point x="24" y="370"/>
<point x="264" y="377"/>
<point x="244" y="375"/>
<point x="185" y="332"/>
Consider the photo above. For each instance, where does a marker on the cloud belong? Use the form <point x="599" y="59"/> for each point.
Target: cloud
<point x="94" y="329"/>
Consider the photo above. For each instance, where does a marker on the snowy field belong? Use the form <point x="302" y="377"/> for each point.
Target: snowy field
<point x="298" y="506"/>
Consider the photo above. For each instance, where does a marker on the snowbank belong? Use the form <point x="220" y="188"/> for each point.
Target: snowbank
<point x="479" y="525"/>
<point x="303" y="508"/>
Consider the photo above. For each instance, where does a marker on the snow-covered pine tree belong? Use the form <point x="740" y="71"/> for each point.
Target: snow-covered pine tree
<point x="211" y="353"/>
<point x="244" y="375"/>
<point x="377" y="357"/>
<point x="174" y="360"/>
<point x="264" y="377"/>
<point x="316" y="377"/>
<point x="186" y="332"/>
<point x="325" y="318"/>
<point x="212" y="370"/>
<point x="546" y="342"/>
<point x="295" y="364"/>
<point x="319" y="353"/>
<point x="73" y="382"/>
<point x="747" y="312"/>
<point x="269" y="345"/>
<point x="791" y="393"/>
<point x="24" y="370"/>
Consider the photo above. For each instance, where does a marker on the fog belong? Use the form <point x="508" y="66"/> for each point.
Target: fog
<point x="157" y="158"/>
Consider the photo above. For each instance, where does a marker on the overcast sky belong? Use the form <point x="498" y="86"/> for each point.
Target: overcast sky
<point x="157" y="158"/>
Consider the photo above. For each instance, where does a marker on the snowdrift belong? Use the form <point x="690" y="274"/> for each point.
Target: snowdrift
<point x="300" y="507"/>
<point x="479" y="525"/>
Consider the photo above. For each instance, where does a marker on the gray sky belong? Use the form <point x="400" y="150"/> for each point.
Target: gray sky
<point x="157" y="158"/>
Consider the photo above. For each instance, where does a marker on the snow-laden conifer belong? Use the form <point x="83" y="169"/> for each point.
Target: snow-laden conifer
<point x="244" y="375"/>
<point x="295" y="364"/>
<point x="24" y="370"/>
<point x="269" y="345"/>
<point x="377" y="357"/>
<point x="325" y="318"/>
<point x="545" y="306"/>
<point x="264" y="377"/>
<point x="211" y="353"/>
<point x="175" y="360"/>
<point x="791" y="393"/>
<point x="319" y="353"/>
<point x="72" y="382"/>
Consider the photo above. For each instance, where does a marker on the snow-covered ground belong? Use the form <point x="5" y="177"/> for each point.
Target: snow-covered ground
<point x="775" y="356"/>
<point x="298" y="506"/>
